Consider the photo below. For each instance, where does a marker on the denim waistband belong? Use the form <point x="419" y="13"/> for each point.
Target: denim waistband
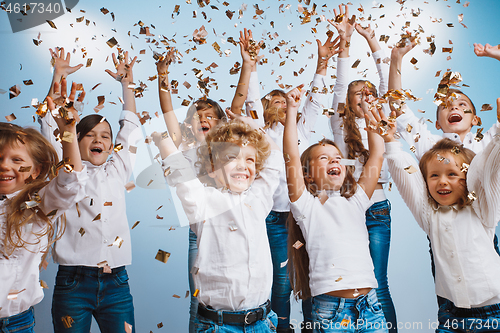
<point x="12" y="319"/>
<point x="279" y="214"/>
<point x="89" y="271"/>
<point x="362" y="300"/>
<point x="482" y="312"/>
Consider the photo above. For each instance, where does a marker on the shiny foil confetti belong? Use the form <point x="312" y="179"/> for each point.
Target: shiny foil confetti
<point x="98" y="217"/>
<point x="128" y="328"/>
<point x="112" y="42"/>
<point x="11" y="117"/>
<point x="455" y="150"/>
<point x="67" y="321"/>
<point x="162" y="256"/>
<point x="118" y="242"/>
<point x="135" y="224"/>
<point x="472" y="196"/>
<point x="196" y="292"/>
<point x="81" y="231"/>
<point x="410" y="169"/>
<point x="108" y="204"/>
<point x="297" y="245"/>
<point x="465" y="167"/>
<point x="25" y="168"/>
<point x="68" y="137"/>
<point x="338" y="279"/>
<point x="232" y="226"/>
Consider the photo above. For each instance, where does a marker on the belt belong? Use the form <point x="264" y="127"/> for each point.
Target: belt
<point x="246" y="317"/>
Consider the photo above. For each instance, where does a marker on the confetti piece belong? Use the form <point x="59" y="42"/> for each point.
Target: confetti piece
<point x="118" y="242"/>
<point x="194" y="270"/>
<point x="356" y="63"/>
<point x="297" y="245"/>
<point x="486" y="107"/>
<point x="410" y="169"/>
<point x="81" y="231"/>
<point x="25" y="168"/>
<point x="43" y="284"/>
<point x="355" y="293"/>
<point x="112" y="42"/>
<point x="98" y="217"/>
<point x="465" y="167"/>
<point x="455" y="150"/>
<point x="253" y="114"/>
<point x="14" y="91"/>
<point x="52" y="25"/>
<point x="338" y="279"/>
<point x="14" y="293"/>
<point x="67" y="321"/>
<point x="129" y="186"/>
<point x="68" y="137"/>
<point x="187" y="294"/>
<point x="128" y="328"/>
<point x="28" y="82"/>
<point x="136" y="224"/>
<point x="284" y="263"/>
<point x="472" y="196"/>
<point x="196" y="292"/>
<point x="162" y="256"/>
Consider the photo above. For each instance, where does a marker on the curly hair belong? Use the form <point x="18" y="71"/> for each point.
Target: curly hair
<point x="298" y="266"/>
<point x="199" y="105"/>
<point x="355" y="147"/>
<point x="443" y="146"/>
<point x="44" y="157"/>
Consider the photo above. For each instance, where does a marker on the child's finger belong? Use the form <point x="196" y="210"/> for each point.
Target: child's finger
<point x="63" y="87"/>
<point x="113" y="75"/>
<point x="73" y="92"/>
<point x="133" y="62"/>
<point x="81" y="97"/>
<point x="50" y="103"/>
<point x="115" y="62"/>
<point x="498" y="108"/>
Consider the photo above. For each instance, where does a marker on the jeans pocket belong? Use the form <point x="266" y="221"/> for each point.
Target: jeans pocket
<point x="324" y="314"/>
<point x="203" y="325"/>
<point x="376" y="308"/>
<point x="121" y="279"/>
<point x="272" y="321"/>
<point x="66" y="282"/>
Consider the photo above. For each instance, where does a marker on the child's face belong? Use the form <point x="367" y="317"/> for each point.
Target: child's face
<point x="325" y="168"/>
<point x="97" y="145"/>
<point x="202" y="122"/>
<point x="279" y="102"/>
<point x="13" y="160"/>
<point x="355" y="97"/>
<point x="452" y="117"/>
<point x="238" y="172"/>
<point x="445" y="182"/>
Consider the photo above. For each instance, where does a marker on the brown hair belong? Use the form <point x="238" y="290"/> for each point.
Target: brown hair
<point x="44" y="158"/>
<point x="446" y="146"/>
<point x="272" y="115"/>
<point x="199" y="105"/>
<point x="298" y="266"/>
<point x="355" y="147"/>
<point x="455" y="91"/>
<point x="87" y="124"/>
<point x="225" y="136"/>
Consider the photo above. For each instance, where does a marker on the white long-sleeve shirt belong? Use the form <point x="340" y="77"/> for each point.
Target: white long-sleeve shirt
<point x="312" y="108"/>
<point x="422" y="139"/>
<point x="19" y="271"/>
<point x="467" y="266"/>
<point x="95" y="222"/>
<point x="233" y="269"/>
<point x="340" y="96"/>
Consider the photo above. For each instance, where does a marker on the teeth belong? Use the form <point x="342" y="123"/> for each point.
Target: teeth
<point x="6" y="178"/>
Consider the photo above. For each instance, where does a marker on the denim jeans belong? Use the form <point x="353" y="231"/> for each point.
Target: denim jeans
<point x="82" y="292"/>
<point x="192" y="253"/>
<point x="378" y="223"/>
<point x="453" y="319"/>
<point x="23" y="322"/>
<point x="335" y="314"/>
<point x="266" y="325"/>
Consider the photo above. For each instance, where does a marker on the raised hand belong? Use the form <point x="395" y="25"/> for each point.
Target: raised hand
<point x="342" y="23"/>
<point x="249" y="48"/>
<point x="66" y="116"/>
<point x="123" y="69"/>
<point x="61" y="64"/>
<point x="377" y="122"/>
<point x="293" y="98"/>
<point x="487" y="51"/>
<point x="165" y="61"/>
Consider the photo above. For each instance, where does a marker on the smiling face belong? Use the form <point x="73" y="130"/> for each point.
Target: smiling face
<point x="279" y="102"/>
<point x="456" y="116"/>
<point x="355" y="96"/>
<point x="202" y="122"/>
<point x="325" y="169"/>
<point x="14" y="161"/>
<point x="97" y="145"/>
<point x="238" y="170"/>
<point x="445" y="182"/>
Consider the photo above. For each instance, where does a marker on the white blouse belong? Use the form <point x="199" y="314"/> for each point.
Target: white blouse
<point x="19" y="271"/>
<point x="467" y="266"/>
<point x="233" y="269"/>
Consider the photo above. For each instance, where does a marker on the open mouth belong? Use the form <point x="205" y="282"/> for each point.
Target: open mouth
<point x="454" y="118"/>
<point x="5" y="178"/>
<point x="334" y="171"/>
<point x="204" y="129"/>
<point x="443" y="192"/>
<point x="96" y="150"/>
<point x="240" y="177"/>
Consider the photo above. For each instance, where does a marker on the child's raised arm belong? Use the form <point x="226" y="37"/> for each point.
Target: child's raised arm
<point x="66" y="119"/>
<point x="294" y="176"/>
<point x="250" y="56"/>
<point x="345" y="28"/>
<point x="61" y="67"/>
<point x="487" y="51"/>
<point x="325" y="52"/>
<point x="397" y="55"/>
<point x="164" y="92"/>
<point x="124" y="75"/>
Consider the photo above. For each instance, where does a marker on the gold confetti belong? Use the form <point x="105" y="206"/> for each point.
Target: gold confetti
<point x="68" y="137"/>
<point x="52" y="25"/>
<point x="465" y="167"/>
<point x="136" y="224"/>
<point x="254" y="114"/>
<point x="89" y="62"/>
<point x="81" y="231"/>
<point x="338" y="279"/>
<point x="128" y="328"/>
<point x="159" y="325"/>
<point x="232" y="226"/>
<point x="356" y="63"/>
<point x="129" y="186"/>
<point x="162" y="256"/>
<point x="196" y="292"/>
<point x="410" y="169"/>
<point x="43" y="284"/>
<point x="297" y="245"/>
<point x="14" y="91"/>
<point x="118" y="242"/>
<point x="67" y="321"/>
<point x="102" y="264"/>
<point x="98" y="217"/>
<point x="187" y="294"/>
<point x="14" y="293"/>
<point x="472" y="196"/>
<point x="455" y="150"/>
<point x="486" y="107"/>
<point x="112" y="42"/>
<point x="25" y="168"/>
<point x="28" y="82"/>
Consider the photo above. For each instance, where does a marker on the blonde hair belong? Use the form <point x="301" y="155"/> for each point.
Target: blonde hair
<point x="199" y="105"/>
<point x="224" y="136"/>
<point x="272" y="114"/>
<point x="446" y="146"/>
<point x="298" y="265"/>
<point x="44" y="158"/>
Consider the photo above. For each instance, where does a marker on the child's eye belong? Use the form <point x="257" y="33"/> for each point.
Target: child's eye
<point x="251" y="160"/>
<point x="230" y="157"/>
<point x="323" y="157"/>
<point x="433" y="175"/>
<point x="453" y="174"/>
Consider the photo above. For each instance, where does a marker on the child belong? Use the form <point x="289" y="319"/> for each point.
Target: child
<point x="335" y="268"/>
<point x="28" y="206"/>
<point x="202" y="115"/>
<point x="273" y="119"/>
<point x="457" y="203"/>
<point x="347" y="125"/>
<point x="96" y="247"/>
<point x="233" y="269"/>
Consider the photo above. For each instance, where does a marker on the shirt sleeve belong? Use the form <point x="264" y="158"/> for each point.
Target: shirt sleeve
<point x="339" y="96"/>
<point x="129" y="134"/>
<point x="313" y="106"/>
<point x="382" y="70"/>
<point x="411" y="186"/>
<point x="419" y="136"/>
<point x="47" y="127"/>
<point x="269" y="178"/>
<point x="483" y="177"/>
<point x="253" y="102"/>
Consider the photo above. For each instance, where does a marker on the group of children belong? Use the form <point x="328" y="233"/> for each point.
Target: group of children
<point x="269" y="213"/>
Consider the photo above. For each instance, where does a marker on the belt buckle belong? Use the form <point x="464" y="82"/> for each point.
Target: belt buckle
<point x="247" y="322"/>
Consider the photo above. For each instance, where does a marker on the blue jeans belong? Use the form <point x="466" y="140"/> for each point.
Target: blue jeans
<point x="453" y="319"/>
<point x="378" y="223"/>
<point x="23" y="322"/>
<point x="82" y="292"/>
<point x="268" y="324"/>
<point x="277" y="233"/>
<point x="335" y="314"/>
<point x="192" y="254"/>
